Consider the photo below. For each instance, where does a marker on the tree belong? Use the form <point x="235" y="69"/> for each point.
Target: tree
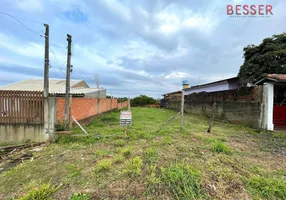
<point x="268" y="57"/>
<point x="142" y="100"/>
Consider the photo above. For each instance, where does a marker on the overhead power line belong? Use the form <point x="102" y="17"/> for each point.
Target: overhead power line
<point x="23" y="25"/>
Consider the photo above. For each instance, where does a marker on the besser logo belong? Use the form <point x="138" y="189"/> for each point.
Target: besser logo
<point x="249" y="10"/>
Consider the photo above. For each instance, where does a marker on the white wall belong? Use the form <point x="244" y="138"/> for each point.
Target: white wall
<point x="268" y="101"/>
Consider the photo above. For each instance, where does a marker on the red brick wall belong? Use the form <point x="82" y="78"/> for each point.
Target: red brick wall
<point x="83" y="108"/>
<point x="122" y="104"/>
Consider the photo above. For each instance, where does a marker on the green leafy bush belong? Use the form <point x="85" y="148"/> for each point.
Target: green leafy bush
<point x="182" y="180"/>
<point x="133" y="167"/>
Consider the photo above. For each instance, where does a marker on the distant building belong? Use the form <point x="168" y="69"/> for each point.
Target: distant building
<point x="226" y="84"/>
<point x="79" y="88"/>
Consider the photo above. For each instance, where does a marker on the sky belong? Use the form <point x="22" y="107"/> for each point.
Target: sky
<point x="135" y="47"/>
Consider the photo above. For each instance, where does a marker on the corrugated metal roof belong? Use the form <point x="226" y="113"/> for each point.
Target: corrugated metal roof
<point x="55" y="85"/>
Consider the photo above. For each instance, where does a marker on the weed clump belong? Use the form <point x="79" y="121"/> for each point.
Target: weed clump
<point x="118" y="159"/>
<point x="73" y="171"/>
<point x="103" y="165"/>
<point x="133" y="167"/>
<point x="153" y="180"/>
<point x="119" y="143"/>
<point x="151" y="154"/>
<point x="44" y="192"/>
<point x="182" y="180"/>
<point x="100" y="153"/>
<point x="126" y="151"/>
<point x="79" y="196"/>
<point x="267" y="188"/>
<point x="168" y="140"/>
<point x="219" y="147"/>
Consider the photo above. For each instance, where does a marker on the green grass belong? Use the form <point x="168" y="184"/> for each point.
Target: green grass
<point x="133" y="167"/>
<point x="151" y="154"/>
<point x="126" y="151"/>
<point x="267" y="188"/>
<point x="79" y="196"/>
<point x="119" y="143"/>
<point x="219" y="147"/>
<point x="231" y="162"/>
<point x="183" y="181"/>
<point x="103" y="165"/>
<point x="44" y="192"/>
<point x="74" y="171"/>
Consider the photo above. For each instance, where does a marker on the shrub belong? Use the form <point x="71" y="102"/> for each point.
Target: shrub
<point x="133" y="167"/>
<point x="219" y="147"/>
<point x="182" y="180"/>
<point x="44" y="192"/>
<point x="267" y="188"/>
<point x="103" y="165"/>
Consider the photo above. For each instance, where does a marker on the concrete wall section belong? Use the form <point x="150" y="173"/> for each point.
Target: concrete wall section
<point x="97" y="94"/>
<point x="241" y="105"/>
<point x="20" y="133"/>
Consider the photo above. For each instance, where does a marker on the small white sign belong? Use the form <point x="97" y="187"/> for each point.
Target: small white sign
<point x="125" y="118"/>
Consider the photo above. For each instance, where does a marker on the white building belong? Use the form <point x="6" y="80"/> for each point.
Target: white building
<point x="57" y="87"/>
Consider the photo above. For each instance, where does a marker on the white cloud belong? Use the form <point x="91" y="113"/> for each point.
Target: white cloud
<point x="176" y="75"/>
<point x="29" y="5"/>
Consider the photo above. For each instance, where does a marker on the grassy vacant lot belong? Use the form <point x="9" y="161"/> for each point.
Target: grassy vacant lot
<point x="232" y="162"/>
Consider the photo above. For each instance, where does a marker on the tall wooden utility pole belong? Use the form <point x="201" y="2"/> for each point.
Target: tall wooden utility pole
<point x="67" y="98"/>
<point x="47" y="62"/>
<point x="182" y="109"/>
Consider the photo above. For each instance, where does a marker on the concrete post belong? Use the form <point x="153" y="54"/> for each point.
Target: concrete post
<point x="268" y="100"/>
<point x="98" y="106"/>
<point x="52" y="117"/>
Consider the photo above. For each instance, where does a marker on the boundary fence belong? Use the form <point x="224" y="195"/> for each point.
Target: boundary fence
<point x="21" y="107"/>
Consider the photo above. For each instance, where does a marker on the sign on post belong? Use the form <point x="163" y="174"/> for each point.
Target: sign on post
<point x="125" y="118"/>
